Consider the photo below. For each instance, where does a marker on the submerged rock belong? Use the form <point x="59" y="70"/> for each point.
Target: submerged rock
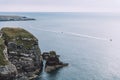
<point x="52" y="61"/>
<point x="21" y="54"/>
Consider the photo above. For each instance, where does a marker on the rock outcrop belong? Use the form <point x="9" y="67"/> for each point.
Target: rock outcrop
<point x="52" y="61"/>
<point x="20" y="53"/>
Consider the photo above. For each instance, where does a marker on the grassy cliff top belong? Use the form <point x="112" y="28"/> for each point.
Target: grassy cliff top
<point x="16" y="32"/>
<point x="19" y="36"/>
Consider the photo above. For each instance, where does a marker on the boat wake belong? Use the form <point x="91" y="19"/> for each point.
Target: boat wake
<point x="78" y="35"/>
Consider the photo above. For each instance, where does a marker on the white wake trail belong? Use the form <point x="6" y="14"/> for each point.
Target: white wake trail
<point x="77" y="34"/>
<point x="86" y="36"/>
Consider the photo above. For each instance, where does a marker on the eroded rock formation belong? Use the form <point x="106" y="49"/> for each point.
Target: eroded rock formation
<point x="52" y="61"/>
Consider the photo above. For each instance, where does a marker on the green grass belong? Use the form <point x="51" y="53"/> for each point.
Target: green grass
<point x="13" y="33"/>
<point x="16" y="32"/>
<point x="2" y="57"/>
<point x="1" y="41"/>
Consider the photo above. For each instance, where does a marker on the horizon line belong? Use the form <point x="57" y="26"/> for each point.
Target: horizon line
<point x="63" y="11"/>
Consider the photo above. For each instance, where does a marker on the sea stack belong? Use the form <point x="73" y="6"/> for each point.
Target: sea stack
<point x="20" y="55"/>
<point x="52" y="61"/>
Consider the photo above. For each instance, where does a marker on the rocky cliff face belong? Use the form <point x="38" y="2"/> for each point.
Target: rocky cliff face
<point x="21" y="53"/>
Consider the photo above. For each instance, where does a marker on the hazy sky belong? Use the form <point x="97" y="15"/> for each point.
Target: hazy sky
<point x="61" y="5"/>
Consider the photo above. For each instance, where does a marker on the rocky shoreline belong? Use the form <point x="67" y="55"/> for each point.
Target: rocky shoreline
<point x="21" y="58"/>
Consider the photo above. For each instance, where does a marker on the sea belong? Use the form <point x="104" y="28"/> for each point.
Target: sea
<point x="88" y="41"/>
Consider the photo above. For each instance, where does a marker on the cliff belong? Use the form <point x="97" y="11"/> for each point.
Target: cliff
<point x="20" y="55"/>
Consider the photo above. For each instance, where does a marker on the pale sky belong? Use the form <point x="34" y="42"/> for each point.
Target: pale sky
<point x="60" y="5"/>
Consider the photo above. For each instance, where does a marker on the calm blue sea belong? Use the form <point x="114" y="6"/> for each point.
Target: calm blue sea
<point x="89" y="42"/>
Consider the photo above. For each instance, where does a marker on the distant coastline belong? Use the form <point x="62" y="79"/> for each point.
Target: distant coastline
<point x="14" y="18"/>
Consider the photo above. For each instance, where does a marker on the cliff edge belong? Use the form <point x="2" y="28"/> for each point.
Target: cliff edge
<point x="20" y="55"/>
